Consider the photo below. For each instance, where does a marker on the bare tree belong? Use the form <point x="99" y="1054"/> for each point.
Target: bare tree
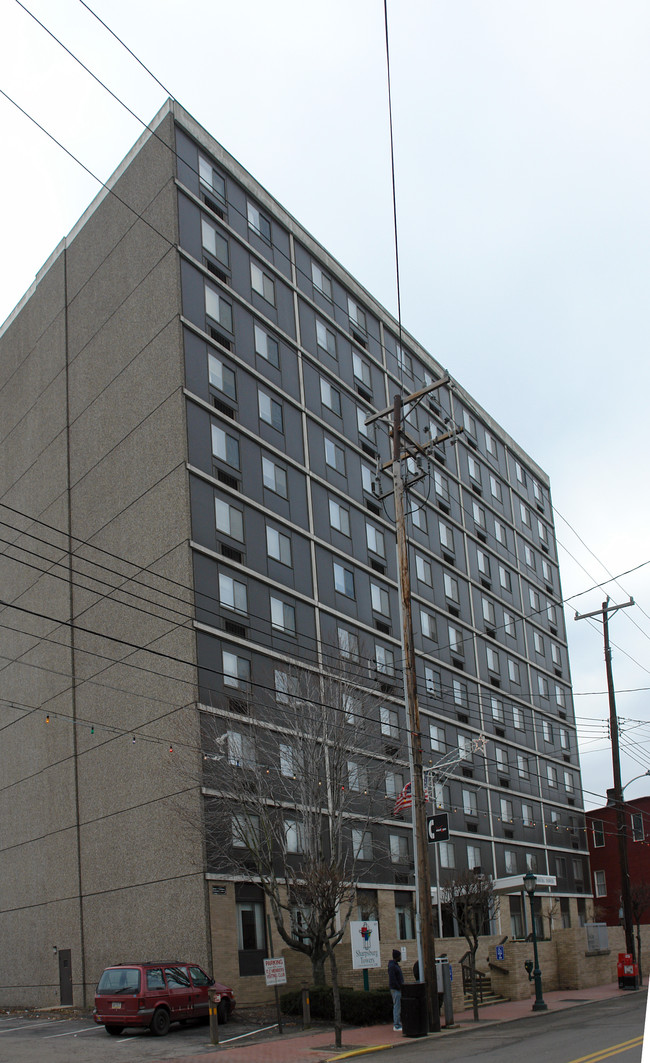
<point x="640" y="904"/>
<point x="293" y="789"/>
<point x="474" y="904"/>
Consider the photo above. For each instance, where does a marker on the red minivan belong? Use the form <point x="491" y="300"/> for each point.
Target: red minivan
<point x="156" y="994"/>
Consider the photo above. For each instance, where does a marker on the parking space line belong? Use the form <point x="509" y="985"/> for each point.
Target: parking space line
<point x="32" y="1025"/>
<point x="72" y="1033"/>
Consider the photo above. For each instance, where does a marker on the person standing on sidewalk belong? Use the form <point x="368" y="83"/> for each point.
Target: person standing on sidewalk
<point x="395" y="983"/>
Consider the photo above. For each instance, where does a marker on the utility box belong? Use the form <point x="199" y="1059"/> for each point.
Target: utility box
<point x="628" y="971"/>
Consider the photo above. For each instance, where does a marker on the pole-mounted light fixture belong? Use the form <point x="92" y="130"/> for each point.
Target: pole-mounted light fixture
<point x="530" y="885"/>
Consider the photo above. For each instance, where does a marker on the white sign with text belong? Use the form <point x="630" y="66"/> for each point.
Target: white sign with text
<point x="364" y="936"/>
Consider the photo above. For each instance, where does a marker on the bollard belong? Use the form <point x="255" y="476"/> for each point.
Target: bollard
<point x="306" y="1015"/>
<point x="215" y="1000"/>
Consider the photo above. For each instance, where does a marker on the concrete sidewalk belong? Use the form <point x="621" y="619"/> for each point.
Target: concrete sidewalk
<point x="318" y="1046"/>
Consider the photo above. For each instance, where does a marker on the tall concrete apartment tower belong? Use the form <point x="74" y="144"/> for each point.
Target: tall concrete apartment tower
<point x="189" y="496"/>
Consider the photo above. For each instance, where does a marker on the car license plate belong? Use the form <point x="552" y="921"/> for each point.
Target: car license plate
<point x="116" y="1004"/>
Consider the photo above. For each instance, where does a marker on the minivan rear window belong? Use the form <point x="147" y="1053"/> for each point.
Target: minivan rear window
<point x="119" y="980"/>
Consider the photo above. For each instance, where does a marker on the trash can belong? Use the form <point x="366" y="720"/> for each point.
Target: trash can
<point x="415" y="1021"/>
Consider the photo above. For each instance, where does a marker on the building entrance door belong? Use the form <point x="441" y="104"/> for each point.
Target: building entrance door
<point x="65" y="976"/>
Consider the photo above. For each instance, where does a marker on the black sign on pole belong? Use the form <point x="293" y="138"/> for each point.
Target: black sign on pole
<point x="438" y="827"/>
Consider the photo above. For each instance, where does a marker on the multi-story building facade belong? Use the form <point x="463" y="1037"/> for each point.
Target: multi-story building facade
<point x="192" y="498"/>
<point x="605" y="859"/>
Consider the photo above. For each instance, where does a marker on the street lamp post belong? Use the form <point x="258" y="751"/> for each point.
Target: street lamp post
<point x="530" y="884"/>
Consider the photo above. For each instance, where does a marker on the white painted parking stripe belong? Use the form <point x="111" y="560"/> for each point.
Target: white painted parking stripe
<point x="32" y="1025"/>
<point x="72" y="1033"/>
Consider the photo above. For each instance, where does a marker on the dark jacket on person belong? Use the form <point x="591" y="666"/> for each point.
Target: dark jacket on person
<point x="395" y="976"/>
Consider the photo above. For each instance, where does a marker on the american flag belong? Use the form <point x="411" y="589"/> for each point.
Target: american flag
<point x="403" y="800"/>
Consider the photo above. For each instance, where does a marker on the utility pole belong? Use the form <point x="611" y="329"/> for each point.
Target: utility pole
<point x="405" y="447"/>
<point x="617" y="793"/>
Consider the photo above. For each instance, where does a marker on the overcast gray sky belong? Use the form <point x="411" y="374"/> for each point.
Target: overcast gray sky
<point x="523" y="170"/>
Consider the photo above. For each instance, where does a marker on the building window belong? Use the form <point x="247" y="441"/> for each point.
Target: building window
<point x="245" y="830"/>
<point x="441" y="486"/>
<point x="522" y="765"/>
<point x="547" y="571"/>
<point x="501" y="758"/>
<point x="474" y="469"/>
<point x="497" y="710"/>
<point x="492" y="660"/>
<point x="380" y="600"/>
<point x="384" y="660"/>
<point x="240" y="750"/>
<point x="433" y="682"/>
<point x="343" y="580"/>
<point x="399" y="848"/>
<point x="361" y="369"/>
<point x="487" y="609"/>
<point x="446" y="536"/>
<point x="221" y="376"/>
<point x="456" y="641"/>
<point x="262" y="283"/>
<point x="539" y="644"/>
<point x="232" y="593"/>
<point x="491" y="445"/>
<point x="527" y="815"/>
<point x="569" y="784"/>
<point x="357" y="316"/>
<point x="394" y="783"/>
<point x="451" y="591"/>
<point x="418" y="515"/>
<point x="600" y="885"/>
<point x="283" y="616"/>
<point x="365" y="430"/>
<point x="334" y="456"/>
<point x="504" y="579"/>
<point x="564" y="739"/>
<point x="348" y="642"/>
<point x="500" y="533"/>
<point x="495" y="488"/>
<point x="437" y="736"/>
<point x="357" y="777"/>
<point x="483" y="564"/>
<point x="598" y="833"/>
<point x="510" y="861"/>
<point x="287" y="686"/>
<point x="389" y="722"/>
<point x="236" y="671"/>
<point x="330" y="397"/>
<point x="507" y="814"/>
<point x="470" y="803"/>
<point x="326" y="339"/>
<point x="212" y="179"/>
<point x="278" y="546"/>
<point x="518" y="719"/>
<point x="459" y="693"/>
<point x="229" y="520"/>
<point x="362" y="844"/>
<point x="375" y="540"/>
<point x="521" y="474"/>
<point x="447" y="854"/>
<point x="288" y="760"/>
<point x="464" y="747"/>
<point x="214" y="242"/>
<point x="428" y="625"/>
<point x="479" y="516"/>
<point x="404" y="360"/>
<point x="423" y="570"/>
<point x="339" y="517"/>
<point x="321" y="282"/>
<point x="531" y="862"/>
<point x="551" y="776"/>
<point x="274" y="477"/>
<point x="405" y="920"/>
<point x="542" y="686"/>
<point x="556" y="655"/>
<point x="270" y="411"/>
<point x="547" y="730"/>
<point x="638" y="833"/>
<point x="513" y="672"/>
<point x="442" y="797"/>
<point x="473" y="857"/>
<point x="469" y="424"/>
<point x="258" y="222"/>
<point x="294" y="835"/>
<point x="509" y="624"/>
<point x="266" y="346"/>
<point x="525" y="515"/>
<point x="529" y="557"/>
<point x="533" y="598"/>
<point x="217" y="308"/>
<point x="225" y="447"/>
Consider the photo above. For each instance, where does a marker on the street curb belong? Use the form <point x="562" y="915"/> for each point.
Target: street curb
<point x="359" y="1052"/>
